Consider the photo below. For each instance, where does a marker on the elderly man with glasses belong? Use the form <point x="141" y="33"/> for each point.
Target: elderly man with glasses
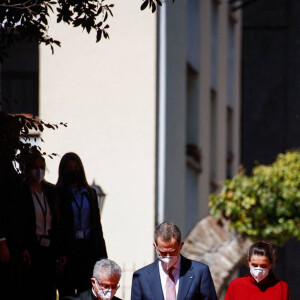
<point x="105" y="282"/>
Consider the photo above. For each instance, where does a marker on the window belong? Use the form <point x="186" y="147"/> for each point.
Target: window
<point x="213" y="128"/>
<point x="19" y="79"/>
<point x="193" y="34"/>
<point x="230" y="65"/>
<point x="229" y="142"/>
<point x="214" y="44"/>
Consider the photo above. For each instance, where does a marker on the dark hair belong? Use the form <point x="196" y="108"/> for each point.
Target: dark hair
<point x="9" y="125"/>
<point x="166" y="231"/>
<point x="28" y="160"/>
<point x="61" y="181"/>
<point x="10" y="128"/>
<point x="262" y="248"/>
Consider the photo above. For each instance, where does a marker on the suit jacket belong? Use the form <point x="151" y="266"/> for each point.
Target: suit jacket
<point x="11" y="208"/>
<point x="87" y="295"/>
<point x="195" y="282"/>
<point x="98" y="247"/>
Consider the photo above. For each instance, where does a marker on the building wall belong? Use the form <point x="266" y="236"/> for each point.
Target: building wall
<point x="200" y="109"/>
<point x="175" y="116"/>
<point x="109" y="94"/>
<point x="106" y="93"/>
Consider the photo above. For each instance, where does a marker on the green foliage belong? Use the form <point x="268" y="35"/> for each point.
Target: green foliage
<point x="265" y="205"/>
<point x="28" y="19"/>
<point x="151" y="4"/>
<point x="15" y="133"/>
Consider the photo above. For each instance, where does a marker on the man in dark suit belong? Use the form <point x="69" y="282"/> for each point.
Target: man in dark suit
<point x="172" y="276"/>
<point x="105" y="282"/>
<point x="12" y="241"/>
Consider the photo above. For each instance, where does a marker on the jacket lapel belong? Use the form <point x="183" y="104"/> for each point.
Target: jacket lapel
<point x="186" y="278"/>
<point x="31" y="211"/>
<point x="154" y="281"/>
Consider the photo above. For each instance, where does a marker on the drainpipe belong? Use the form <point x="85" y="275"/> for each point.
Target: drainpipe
<point x="162" y="108"/>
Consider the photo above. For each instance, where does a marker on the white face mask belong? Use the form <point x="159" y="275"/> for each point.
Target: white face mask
<point x="259" y="273"/>
<point x="37" y="175"/>
<point x="168" y="261"/>
<point x="105" y="294"/>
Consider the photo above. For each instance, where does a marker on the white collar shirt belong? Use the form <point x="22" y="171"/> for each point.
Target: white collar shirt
<point x="163" y="275"/>
<point x="41" y="205"/>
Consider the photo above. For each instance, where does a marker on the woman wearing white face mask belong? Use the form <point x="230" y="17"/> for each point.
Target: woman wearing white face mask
<point x="41" y="231"/>
<point x="261" y="284"/>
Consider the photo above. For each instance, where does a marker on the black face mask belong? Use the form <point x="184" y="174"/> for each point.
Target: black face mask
<point x="73" y="176"/>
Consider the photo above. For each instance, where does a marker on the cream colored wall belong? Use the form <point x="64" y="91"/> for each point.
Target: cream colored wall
<point x="106" y="93"/>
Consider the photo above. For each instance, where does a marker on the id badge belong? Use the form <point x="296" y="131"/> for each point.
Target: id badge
<point x="45" y="242"/>
<point x="79" y="234"/>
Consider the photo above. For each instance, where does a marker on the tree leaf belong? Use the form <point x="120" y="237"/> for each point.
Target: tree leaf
<point x="99" y="35"/>
<point x="145" y="4"/>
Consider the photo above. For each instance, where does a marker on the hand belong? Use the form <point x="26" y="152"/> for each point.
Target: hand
<point x="60" y="266"/>
<point x="62" y="261"/>
<point x="26" y="259"/>
<point x="4" y="252"/>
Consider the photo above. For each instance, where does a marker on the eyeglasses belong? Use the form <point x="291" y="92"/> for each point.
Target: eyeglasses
<point x="107" y="286"/>
<point x="172" y="252"/>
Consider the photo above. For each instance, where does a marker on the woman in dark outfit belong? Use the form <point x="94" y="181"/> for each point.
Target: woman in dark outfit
<point x="261" y="284"/>
<point x="84" y="240"/>
<point x="41" y="234"/>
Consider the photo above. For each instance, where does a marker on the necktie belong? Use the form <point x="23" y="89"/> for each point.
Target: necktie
<point x="170" y="286"/>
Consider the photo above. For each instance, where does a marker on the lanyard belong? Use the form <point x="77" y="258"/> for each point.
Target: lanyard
<point x="44" y="210"/>
<point x="79" y="207"/>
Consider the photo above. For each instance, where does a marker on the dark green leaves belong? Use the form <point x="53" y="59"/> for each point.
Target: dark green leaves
<point x="265" y="205"/>
<point x="152" y="4"/>
<point x="29" y="19"/>
<point x="145" y="4"/>
<point x="17" y="130"/>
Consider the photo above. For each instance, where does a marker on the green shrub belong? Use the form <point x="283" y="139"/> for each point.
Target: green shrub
<point x="265" y="205"/>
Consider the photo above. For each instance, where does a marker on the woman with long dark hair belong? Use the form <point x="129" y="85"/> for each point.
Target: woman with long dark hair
<point x="261" y="284"/>
<point x="82" y="227"/>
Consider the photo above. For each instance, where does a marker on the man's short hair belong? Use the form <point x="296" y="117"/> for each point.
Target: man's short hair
<point x="166" y="231"/>
<point x="107" y="266"/>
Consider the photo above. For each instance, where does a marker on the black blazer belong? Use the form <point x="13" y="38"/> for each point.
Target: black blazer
<point x="98" y="247"/>
<point x="30" y="221"/>
<point x="87" y="295"/>
<point x="11" y="208"/>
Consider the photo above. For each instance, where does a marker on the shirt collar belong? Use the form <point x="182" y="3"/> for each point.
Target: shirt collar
<point x="93" y="293"/>
<point x="178" y="263"/>
<point x="78" y="191"/>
